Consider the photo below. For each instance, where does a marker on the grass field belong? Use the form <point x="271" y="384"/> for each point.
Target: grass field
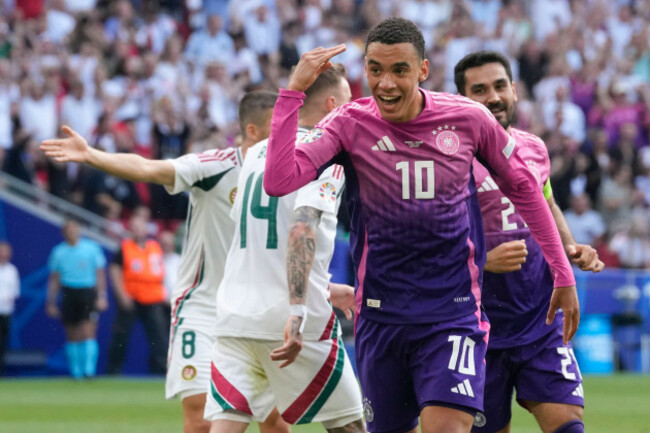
<point x="615" y="404"/>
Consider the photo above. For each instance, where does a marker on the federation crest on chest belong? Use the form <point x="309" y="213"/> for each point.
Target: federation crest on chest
<point x="447" y="140"/>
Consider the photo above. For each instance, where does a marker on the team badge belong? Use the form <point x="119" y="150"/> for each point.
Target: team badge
<point x="312" y="135"/>
<point x="188" y="372"/>
<point x="232" y="195"/>
<point x="479" y="419"/>
<point x="367" y="410"/>
<point x="328" y="191"/>
<point x="446" y="139"/>
<point x="507" y="151"/>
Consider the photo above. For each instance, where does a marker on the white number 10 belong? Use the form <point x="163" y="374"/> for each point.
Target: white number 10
<point x="420" y="191"/>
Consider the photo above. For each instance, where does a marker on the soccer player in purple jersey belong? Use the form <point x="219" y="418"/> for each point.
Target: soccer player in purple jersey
<point x="523" y="353"/>
<point x="417" y="235"/>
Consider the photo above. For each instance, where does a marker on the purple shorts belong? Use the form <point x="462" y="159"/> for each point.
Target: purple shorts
<point x="403" y="368"/>
<point x="544" y="371"/>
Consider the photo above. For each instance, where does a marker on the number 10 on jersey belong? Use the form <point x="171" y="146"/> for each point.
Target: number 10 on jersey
<point x="421" y="170"/>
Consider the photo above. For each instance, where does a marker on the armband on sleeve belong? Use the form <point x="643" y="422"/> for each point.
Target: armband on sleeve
<point x="547" y="190"/>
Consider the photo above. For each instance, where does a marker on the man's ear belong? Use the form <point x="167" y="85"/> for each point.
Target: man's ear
<point x="424" y="70"/>
<point x="253" y="132"/>
<point x="330" y="103"/>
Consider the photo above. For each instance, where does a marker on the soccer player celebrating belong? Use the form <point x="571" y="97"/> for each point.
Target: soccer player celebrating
<point x="523" y="352"/>
<point x="211" y="178"/>
<point x="417" y="238"/>
<point x="314" y="382"/>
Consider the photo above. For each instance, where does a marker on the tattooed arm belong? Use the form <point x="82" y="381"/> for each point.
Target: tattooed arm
<point x="300" y="256"/>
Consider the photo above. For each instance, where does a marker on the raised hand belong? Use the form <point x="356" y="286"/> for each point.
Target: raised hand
<point x="506" y="257"/>
<point x="565" y="298"/>
<point x="310" y="66"/>
<point x="73" y="148"/>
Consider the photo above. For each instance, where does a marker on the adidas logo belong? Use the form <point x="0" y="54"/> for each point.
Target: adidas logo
<point x="578" y="392"/>
<point x="464" y="388"/>
<point x="488" y="185"/>
<point x="384" y="144"/>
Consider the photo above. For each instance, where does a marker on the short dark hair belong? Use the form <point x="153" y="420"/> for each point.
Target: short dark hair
<point x="397" y="30"/>
<point x="326" y="80"/>
<point x="475" y="60"/>
<point x="253" y="106"/>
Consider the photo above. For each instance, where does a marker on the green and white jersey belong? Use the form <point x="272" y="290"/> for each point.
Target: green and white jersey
<point x="211" y="179"/>
<point x="253" y="299"/>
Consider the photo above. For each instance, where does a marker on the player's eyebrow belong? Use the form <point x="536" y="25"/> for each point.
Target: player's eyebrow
<point x="394" y="65"/>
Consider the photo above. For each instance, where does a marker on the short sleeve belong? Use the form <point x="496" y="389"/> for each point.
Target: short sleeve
<point x="201" y="170"/>
<point x="53" y="261"/>
<point x="100" y="258"/>
<point x="322" y="194"/>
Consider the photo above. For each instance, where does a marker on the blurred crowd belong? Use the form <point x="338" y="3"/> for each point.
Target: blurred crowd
<point x="163" y="78"/>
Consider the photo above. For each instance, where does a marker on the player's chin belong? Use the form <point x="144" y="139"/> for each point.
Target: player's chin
<point x="392" y="112"/>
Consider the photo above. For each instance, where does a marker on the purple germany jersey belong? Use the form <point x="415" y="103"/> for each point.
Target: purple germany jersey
<point x="515" y="302"/>
<point x="417" y="236"/>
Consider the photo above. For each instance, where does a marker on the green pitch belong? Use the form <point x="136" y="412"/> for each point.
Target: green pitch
<point x="619" y="404"/>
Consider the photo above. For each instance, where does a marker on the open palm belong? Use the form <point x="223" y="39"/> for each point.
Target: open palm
<point x="72" y="148"/>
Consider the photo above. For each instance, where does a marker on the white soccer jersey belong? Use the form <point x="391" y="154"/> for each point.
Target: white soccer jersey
<point x="211" y="178"/>
<point x="253" y="299"/>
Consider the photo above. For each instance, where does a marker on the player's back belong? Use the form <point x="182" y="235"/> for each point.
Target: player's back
<point x="515" y="302"/>
<point x="253" y="300"/>
<point x="211" y="179"/>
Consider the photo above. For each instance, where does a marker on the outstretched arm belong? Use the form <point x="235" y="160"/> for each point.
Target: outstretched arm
<point x="300" y="257"/>
<point x="129" y="166"/>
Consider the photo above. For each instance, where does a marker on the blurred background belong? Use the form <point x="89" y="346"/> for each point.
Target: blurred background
<point x="163" y="78"/>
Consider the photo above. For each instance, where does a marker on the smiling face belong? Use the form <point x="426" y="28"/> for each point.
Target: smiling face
<point x="490" y="85"/>
<point x="394" y="73"/>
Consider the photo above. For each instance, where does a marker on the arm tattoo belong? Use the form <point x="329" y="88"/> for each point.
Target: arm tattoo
<point x="354" y="427"/>
<point x="300" y="254"/>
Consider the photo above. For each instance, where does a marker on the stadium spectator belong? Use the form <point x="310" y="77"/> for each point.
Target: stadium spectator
<point x="632" y="245"/>
<point x="585" y="223"/>
<point x="79" y="109"/>
<point x="9" y="292"/>
<point x="9" y="98"/>
<point x="211" y="44"/>
<point x="170" y="141"/>
<point x="137" y="273"/>
<point x="77" y="270"/>
<point x="616" y="195"/>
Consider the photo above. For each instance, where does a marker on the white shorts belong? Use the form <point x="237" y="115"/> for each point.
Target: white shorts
<point x="188" y="364"/>
<point x="319" y="386"/>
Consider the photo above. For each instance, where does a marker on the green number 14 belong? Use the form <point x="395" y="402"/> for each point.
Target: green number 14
<point x="268" y="212"/>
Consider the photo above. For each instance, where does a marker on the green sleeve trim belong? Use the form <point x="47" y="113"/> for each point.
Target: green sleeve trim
<point x="547" y="190"/>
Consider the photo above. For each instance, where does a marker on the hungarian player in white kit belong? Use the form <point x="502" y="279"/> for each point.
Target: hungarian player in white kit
<point x="211" y="179"/>
<point x="253" y="304"/>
